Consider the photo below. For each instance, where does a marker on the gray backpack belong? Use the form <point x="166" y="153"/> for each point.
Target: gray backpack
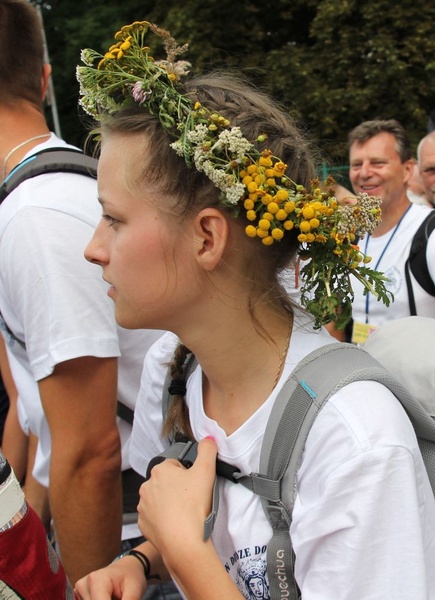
<point x="317" y="377"/>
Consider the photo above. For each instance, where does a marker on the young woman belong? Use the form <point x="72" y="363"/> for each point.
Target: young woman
<point x="175" y="243"/>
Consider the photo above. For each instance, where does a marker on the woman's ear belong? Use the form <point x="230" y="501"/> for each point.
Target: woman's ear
<point x="211" y="235"/>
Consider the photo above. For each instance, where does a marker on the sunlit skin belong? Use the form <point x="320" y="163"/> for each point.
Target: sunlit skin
<point x="139" y="247"/>
<point x="376" y="169"/>
<point x="426" y="165"/>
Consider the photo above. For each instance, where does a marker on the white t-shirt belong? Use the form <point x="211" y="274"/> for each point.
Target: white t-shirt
<point x="54" y="300"/>
<point x="364" y="519"/>
<point x="389" y="253"/>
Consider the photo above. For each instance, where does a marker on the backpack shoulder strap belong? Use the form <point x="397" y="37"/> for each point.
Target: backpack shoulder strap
<point x="314" y="380"/>
<point x="417" y="263"/>
<point x="317" y="377"/>
<point x="52" y="160"/>
<point x="302" y="397"/>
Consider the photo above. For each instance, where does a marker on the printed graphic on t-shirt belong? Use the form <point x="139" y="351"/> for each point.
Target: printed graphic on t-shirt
<point x="395" y="283"/>
<point x="249" y="571"/>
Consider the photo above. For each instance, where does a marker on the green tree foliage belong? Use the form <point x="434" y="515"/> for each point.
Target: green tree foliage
<point x="361" y="60"/>
<point x="334" y="63"/>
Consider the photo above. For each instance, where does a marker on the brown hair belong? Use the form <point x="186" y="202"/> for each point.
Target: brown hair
<point x="255" y="113"/>
<point x="21" y="52"/>
<point x="368" y="129"/>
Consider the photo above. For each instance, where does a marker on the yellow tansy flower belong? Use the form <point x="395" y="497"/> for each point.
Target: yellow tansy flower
<point x="262" y="233"/>
<point x="267" y="241"/>
<point x="281" y="195"/>
<point x="264" y="224"/>
<point x="308" y="212"/>
<point x="277" y="234"/>
<point x="251" y="231"/>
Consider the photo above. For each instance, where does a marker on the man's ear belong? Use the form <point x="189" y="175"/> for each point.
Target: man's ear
<point x="211" y="235"/>
<point x="45" y="78"/>
<point x="408" y="166"/>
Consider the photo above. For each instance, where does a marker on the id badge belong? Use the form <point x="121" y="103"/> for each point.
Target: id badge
<point x="361" y="332"/>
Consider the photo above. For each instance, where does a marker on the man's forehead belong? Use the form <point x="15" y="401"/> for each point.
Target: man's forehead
<point x="377" y="145"/>
<point x="428" y="151"/>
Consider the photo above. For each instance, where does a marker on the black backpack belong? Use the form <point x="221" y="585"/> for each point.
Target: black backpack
<point x="417" y="264"/>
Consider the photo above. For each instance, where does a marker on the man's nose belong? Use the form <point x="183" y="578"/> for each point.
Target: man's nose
<point x="365" y="170"/>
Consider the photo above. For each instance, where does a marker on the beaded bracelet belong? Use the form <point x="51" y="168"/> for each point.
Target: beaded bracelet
<point x="144" y="560"/>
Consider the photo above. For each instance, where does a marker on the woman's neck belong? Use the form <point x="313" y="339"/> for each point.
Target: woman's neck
<point x="241" y="365"/>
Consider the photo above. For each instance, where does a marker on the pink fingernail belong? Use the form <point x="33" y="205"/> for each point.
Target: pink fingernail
<point x="210" y="437"/>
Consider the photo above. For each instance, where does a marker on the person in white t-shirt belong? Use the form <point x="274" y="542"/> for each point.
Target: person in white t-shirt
<point x="70" y="361"/>
<point x="191" y="243"/>
<point x="381" y="164"/>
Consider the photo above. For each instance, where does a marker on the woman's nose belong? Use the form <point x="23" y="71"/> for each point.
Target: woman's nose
<point x="95" y="250"/>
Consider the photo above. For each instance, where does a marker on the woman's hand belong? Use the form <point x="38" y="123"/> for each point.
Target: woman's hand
<point x="175" y="501"/>
<point x="122" y="580"/>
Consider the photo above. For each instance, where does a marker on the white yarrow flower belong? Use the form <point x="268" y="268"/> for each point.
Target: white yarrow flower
<point x="178" y="147"/>
<point x="87" y="57"/>
<point x="199" y="134"/>
<point x="234" y="140"/>
<point x="235" y="192"/>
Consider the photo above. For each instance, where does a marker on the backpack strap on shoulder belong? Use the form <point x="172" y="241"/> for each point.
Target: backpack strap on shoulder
<point x="417" y="263"/>
<point x="185" y="451"/>
<point x="294" y="411"/>
<point x="314" y="380"/>
<point x="317" y="377"/>
<point x="51" y="160"/>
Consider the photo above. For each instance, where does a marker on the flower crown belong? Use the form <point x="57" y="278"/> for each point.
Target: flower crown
<point x="247" y="178"/>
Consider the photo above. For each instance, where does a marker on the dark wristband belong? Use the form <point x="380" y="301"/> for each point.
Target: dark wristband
<point x="144" y="560"/>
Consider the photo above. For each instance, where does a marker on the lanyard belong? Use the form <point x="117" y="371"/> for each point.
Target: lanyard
<point x="381" y="256"/>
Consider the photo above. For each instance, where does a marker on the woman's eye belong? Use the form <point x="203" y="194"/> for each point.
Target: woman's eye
<point x="111" y="220"/>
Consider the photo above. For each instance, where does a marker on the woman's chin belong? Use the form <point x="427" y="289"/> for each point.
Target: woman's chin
<point x="127" y="320"/>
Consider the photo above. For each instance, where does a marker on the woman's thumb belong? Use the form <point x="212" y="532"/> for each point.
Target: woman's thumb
<point x="207" y="452"/>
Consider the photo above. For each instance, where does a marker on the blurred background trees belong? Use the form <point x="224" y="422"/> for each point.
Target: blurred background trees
<point x="333" y="63"/>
